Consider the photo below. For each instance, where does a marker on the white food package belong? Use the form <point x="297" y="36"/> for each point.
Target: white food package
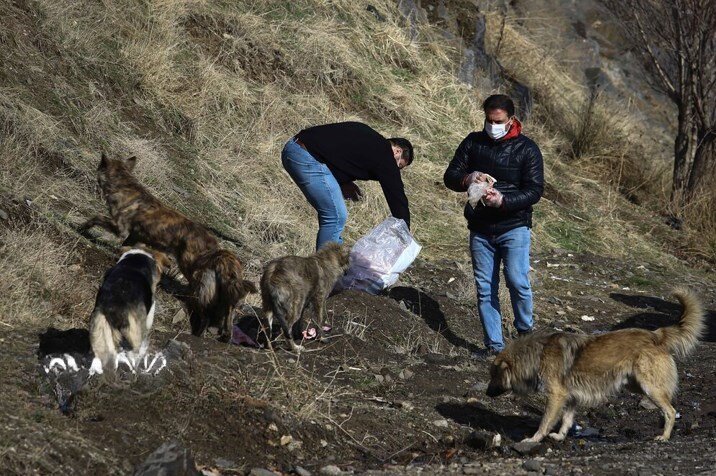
<point x="378" y="258"/>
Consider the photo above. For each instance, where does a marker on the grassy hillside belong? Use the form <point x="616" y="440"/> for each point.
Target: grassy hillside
<point x="206" y="94"/>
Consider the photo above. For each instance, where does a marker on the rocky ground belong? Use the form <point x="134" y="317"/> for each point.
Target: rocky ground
<point x="392" y="390"/>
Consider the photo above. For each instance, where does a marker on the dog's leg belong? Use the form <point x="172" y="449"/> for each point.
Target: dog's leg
<point x="567" y="421"/>
<point x="555" y="403"/>
<point x="657" y="377"/>
<point x="101" y="221"/>
<point x="319" y="304"/>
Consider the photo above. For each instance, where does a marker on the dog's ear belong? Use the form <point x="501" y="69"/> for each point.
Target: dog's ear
<point x="131" y="162"/>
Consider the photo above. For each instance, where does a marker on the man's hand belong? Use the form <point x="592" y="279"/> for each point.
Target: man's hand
<point x="492" y="198"/>
<point x="351" y="191"/>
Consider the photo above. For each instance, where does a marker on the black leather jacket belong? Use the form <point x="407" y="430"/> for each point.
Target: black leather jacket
<point x="515" y="163"/>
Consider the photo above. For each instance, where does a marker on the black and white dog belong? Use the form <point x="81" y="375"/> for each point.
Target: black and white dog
<point x="124" y="308"/>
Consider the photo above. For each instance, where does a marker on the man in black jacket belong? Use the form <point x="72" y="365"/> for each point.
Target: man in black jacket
<point x="322" y="160"/>
<point x="500" y="224"/>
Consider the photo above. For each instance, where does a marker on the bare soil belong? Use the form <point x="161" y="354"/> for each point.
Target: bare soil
<point x="392" y="389"/>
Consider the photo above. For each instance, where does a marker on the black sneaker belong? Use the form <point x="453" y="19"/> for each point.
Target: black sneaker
<point x="483" y="355"/>
<point x="525" y="333"/>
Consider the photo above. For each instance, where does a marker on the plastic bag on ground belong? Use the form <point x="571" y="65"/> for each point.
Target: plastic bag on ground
<point x="378" y="258"/>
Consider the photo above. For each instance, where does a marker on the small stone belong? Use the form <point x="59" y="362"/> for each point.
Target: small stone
<point x="406" y="374"/>
<point x="331" y="470"/>
<point x="4" y="215"/>
<point x="473" y="469"/>
<point x="527" y="447"/>
<point x="272" y="427"/>
<point x="294" y="445"/>
<point x="74" y="268"/>
<point x="532" y="465"/>
<point x="286" y="439"/>
<point x="300" y="471"/>
<point x="441" y="423"/>
<point x="224" y="463"/>
<point x="324" y="443"/>
<point x="179" y="317"/>
<point x="647" y="403"/>
<point x="479" y="387"/>
<point x="379" y="378"/>
<point x="261" y="472"/>
<point x="588" y="432"/>
<point x="407" y="406"/>
<point x="551" y="471"/>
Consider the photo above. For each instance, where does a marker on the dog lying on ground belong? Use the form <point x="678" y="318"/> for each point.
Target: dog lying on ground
<point x="292" y="283"/>
<point x="124" y="307"/>
<point x="215" y="288"/>
<point x="214" y="275"/>
<point x="585" y="370"/>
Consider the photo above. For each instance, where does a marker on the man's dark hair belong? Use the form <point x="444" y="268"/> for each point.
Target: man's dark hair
<point x="406" y="146"/>
<point x="499" y="101"/>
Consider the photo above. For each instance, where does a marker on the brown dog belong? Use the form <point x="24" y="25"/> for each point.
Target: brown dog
<point x="140" y="217"/>
<point x="292" y="283"/>
<point x="586" y="369"/>
<point x="216" y="287"/>
<point x="214" y="275"/>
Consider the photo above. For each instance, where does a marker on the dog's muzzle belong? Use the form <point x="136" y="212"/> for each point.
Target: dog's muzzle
<point x="494" y="390"/>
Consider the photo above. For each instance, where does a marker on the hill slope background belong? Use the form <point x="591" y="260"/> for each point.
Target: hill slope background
<point x="206" y="94"/>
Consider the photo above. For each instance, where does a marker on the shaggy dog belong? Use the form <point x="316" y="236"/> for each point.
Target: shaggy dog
<point x="586" y="369"/>
<point x="292" y="283"/>
<point x="124" y="307"/>
<point x="214" y="275"/>
<point x="215" y="288"/>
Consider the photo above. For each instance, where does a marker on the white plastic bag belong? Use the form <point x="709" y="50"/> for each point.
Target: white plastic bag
<point x="477" y="190"/>
<point x="378" y="258"/>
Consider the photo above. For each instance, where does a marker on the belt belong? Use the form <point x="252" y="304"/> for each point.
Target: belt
<point x="300" y="144"/>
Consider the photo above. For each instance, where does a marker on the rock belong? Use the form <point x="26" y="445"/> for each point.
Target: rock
<point x="4" y="215"/>
<point x="406" y="374"/>
<point x="286" y="439"/>
<point x="473" y="469"/>
<point x="224" y="463"/>
<point x="483" y="440"/>
<point x="179" y="317"/>
<point x="261" y="472"/>
<point x="647" y="403"/>
<point x="379" y="378"/>
<point x="551" y="471"/>
<point x="170" y="458"/>
<point x="479" y="387"/>
<point x="301" y="471"/>
<point x="331" y="470"/>
<point x="176" y="350"/>
<point x="441" y="423"/>
<point x="405" y="405"/>
<point x="527" y="448"/>
<point x="532" y="465"/>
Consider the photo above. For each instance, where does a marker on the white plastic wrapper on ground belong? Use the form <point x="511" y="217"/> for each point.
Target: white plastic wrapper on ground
<point x="378" y="258"/>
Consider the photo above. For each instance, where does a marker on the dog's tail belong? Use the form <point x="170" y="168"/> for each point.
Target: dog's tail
<point x="104" y="340"/>
<point x="680" y="339"/>
<point x="274" y="299"/>
<point x="218" y="288"/>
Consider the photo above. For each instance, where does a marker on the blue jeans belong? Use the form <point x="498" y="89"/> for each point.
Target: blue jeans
<point x="320" y="188"/>
<point x="512" y="247"/>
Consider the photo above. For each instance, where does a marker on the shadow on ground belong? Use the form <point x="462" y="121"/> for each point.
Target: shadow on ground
<point x="480" y="418"/>
<point x="421" y="304"/>
<point x="658" y="313"/>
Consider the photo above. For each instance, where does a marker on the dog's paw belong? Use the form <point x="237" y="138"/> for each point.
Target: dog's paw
<point x="661" y="438"/>
<point x="531" y="440"/>
<point x="557" y="436"/>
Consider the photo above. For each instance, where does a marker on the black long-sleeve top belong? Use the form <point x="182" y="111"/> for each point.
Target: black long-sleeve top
<point x="354" y="151"/>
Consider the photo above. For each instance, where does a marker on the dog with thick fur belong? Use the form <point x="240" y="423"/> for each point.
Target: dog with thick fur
<point x="215" y="288"/>
<point x="214" y="275"/>
<point x="292" y="283"/>
<point x="124" y="307"/>
<point x="139" y="217"/>
<point x="584" y="370"/>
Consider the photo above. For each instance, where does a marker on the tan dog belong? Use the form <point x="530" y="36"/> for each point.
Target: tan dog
<point x="292" y="283"/>
<point x="586" y="369"/>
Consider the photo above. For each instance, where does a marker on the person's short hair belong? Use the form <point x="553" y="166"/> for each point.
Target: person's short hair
<point x="406" y="146"/>
<point x="499" y="101"/>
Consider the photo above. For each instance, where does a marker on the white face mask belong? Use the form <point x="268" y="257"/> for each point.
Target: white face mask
<point x="496" y="131"/>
